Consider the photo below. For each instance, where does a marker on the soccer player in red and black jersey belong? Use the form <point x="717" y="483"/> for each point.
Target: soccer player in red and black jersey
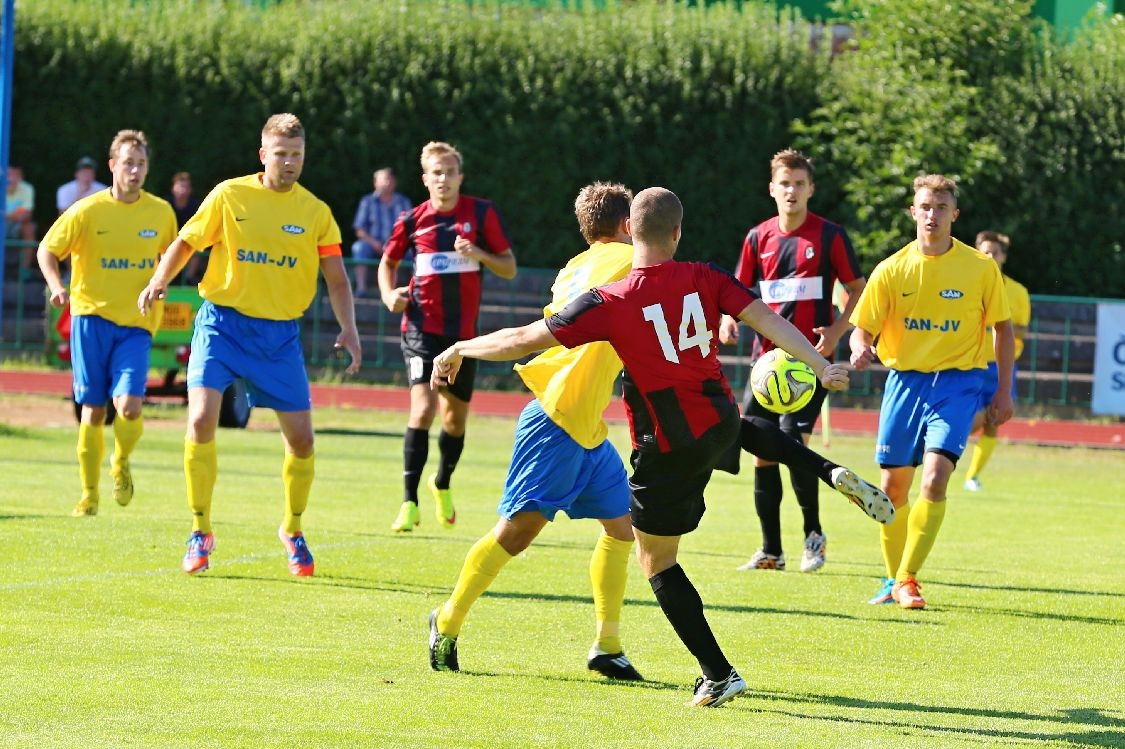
<point x="794" y="259"/>
<point x="454" y="237"/>
<point x="662" y="320"/>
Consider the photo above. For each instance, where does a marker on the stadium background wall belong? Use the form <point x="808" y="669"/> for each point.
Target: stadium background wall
<point x="542" y="100"/>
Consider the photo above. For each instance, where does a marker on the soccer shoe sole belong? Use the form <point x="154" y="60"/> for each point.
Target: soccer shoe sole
<point x="863" y="495"/>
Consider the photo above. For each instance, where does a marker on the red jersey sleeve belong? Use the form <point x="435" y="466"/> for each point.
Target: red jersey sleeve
<point x="395" y="246"/>
<point x="495" y="233"/>
<point x="842" y="255"/>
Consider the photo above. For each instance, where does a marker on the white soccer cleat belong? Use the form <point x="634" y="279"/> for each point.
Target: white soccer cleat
<point x="863" y="495"/>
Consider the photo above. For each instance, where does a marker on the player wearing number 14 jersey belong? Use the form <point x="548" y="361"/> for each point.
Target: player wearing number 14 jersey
<point x="662" y="321"/>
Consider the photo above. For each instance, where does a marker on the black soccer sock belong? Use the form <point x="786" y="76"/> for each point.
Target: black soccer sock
<point x="766" y="440"/>
<point x="415" y="451"/>
<point x="682" y="606"/>
<point x="450" y="448"/>
<point x="767" y="501"/>
<point x="807" y="488"/>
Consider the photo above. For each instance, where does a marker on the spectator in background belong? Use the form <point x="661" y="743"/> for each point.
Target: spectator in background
<point x="995" y="245"/>
<point x="17" y="215"/>
<point x="83" y="184"/>
<point x="185" y="204"/>
<point x="373" y="222"/>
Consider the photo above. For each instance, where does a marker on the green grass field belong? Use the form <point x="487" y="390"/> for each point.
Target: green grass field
<point x="105" y="643"/>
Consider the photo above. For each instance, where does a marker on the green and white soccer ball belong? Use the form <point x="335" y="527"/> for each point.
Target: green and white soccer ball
<point x="782" y="383"/>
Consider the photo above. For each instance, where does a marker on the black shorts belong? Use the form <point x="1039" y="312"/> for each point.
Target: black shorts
<point x="419" y="351"/>
<point x="667" y="488"/>
<point x="794" y="424"/>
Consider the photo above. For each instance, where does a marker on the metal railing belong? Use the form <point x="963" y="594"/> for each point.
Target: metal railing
<point x="1056" y="367"/>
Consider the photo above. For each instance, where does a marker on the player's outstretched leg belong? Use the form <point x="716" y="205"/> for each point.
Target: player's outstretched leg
<point x="863" y="495"/>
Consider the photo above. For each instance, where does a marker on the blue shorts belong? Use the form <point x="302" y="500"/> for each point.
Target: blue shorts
<point x="267" y="354"/>
<point x="363" y="251"/>
<point x="924" y="412"/>
<point x="551" y="472"/>
<point x="108" y="360"/>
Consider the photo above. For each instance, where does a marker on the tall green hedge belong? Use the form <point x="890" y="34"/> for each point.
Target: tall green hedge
<point x="541" y="100"/>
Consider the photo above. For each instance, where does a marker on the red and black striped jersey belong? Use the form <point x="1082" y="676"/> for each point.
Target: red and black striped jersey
<point x="445" y="290"/>
<point x="663" y="321"/>
<point x="795" y="272"/>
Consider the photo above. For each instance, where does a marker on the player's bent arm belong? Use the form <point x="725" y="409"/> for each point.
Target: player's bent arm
<point x="728" y="330"/>
<point x="502" y="345"/>
<point x="834" y="332"/>
<point x="773" y="326"/>
<point x="1004" y="343"/>
<point x="171" y="262"/>
<point x="393" y="298"/>
<point x="343" y="307"/>
<point x="52" y="274"/>
<point x="862" y="344"/>
<point x="503" y="265"/>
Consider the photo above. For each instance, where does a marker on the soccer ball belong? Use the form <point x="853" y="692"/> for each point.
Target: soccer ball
<point x="781" y="383"/>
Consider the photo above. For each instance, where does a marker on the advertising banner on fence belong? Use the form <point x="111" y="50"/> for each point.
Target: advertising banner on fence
<point x="1109" y="361"/>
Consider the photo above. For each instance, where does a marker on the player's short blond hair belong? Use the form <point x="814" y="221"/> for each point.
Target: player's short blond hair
<point x="127" y="138"/>
<point x="791" y="158"/>
<point x="284" y="125"/>
<point x="654" y="213"/>
<point x="600" y="208"/>
<point x="440" y="149"/>
<point x="937" y="183"/>
<point x="993" y="236"/>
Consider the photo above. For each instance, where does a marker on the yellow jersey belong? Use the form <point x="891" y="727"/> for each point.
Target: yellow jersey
<point x="574" y="386"/>
<point x="265" y="246"/>
<point x="114" y="248"/>
<point x="931" y="312"/>
<point x="1019" y="302"/>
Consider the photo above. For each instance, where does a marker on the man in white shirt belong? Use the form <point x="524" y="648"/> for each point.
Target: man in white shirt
<point x="82" y="185"/>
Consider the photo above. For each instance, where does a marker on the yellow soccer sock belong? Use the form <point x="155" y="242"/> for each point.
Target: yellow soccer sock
<point x="925" y="522"/>
<point x="91" y="451"/>
<point x="608" y="571"/>
<point x="297" y="475"/>
<point x="201" y="467"/>
<point x="482" y="564"/>
<point x="892" y="537"/>
<point x="126" y="434"/>
<point x="982" y="451"/>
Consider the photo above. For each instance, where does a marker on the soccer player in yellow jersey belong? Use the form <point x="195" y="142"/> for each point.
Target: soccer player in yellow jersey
<point x="996" y="245"/>
<point x="929" y="306"/>
<point x="269" y="237"/>
<point x="562" y="459"/>
<point x="114" y="239"/>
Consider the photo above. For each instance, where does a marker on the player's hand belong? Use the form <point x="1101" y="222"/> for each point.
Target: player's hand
<point x="834" y="377"/>
<point x="396" y="300"/>
<point x="151" y="294"/>
<point x="60" y="298"/>
<point x="862" y="357"/>
<point x="446" y="366"/>
<point x="1000" y="409"/>
<point x="826" y="344"/>
<point x="728" y="331"/>
<point x="464" y="246"/>
<point x="348" y="340"/>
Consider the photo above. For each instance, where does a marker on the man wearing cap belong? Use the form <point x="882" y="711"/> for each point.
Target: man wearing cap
<point x="82" y="185"/>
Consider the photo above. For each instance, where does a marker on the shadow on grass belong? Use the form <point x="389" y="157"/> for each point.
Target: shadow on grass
<point x="1067" y="721"/>
<point x="352" y="432"/>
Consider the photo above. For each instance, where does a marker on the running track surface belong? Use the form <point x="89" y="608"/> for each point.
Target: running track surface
<point x="491" y="403"/>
